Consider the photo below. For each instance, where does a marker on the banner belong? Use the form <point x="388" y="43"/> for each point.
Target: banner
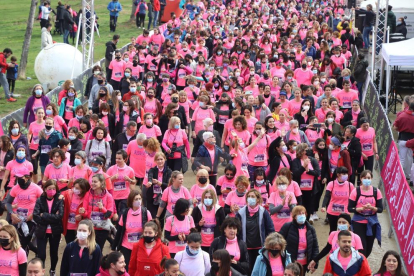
<point x="401" y="205"/>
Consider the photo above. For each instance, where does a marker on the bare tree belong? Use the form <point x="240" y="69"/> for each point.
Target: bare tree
<point x="134" y="8"/>
<point x="27" y="39"/>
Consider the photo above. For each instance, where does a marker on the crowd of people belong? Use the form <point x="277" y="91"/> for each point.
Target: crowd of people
<point x="256" y="98"/>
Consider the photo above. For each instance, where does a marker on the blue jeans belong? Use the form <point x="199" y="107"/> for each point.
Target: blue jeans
<point x="66" y="36"/>
<point x="155" y="18"/>
<point x="5" y="84"/>
<point x="360" y="86"/>
<point x="365" y="36"/>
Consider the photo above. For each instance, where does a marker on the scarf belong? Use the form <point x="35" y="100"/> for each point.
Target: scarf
<point x="137" y="212"/>
<point x="20" y="161"/>
<point x="356" y="112"/>
<point x="231" y="241"/>
<point x="48" y="132"/>
<point x="254" y="210"/>
<point x="240" y="194"/>
<point x="57" y="167"/>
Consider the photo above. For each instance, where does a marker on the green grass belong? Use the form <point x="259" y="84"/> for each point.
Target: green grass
<point x="14" y="15"/>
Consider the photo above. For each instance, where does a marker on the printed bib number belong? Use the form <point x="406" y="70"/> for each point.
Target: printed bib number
<point x="118" y="75"/>
<point x="134" y="237"/>
<point x="180" y="243"/>
<point x="97" y="216"/>
<point x="95" y="154"/>
<point x="259" y="158"/>
<point x="79" y="274"/>
<point x="305" y="183"/>
<point x="284" y="214"/>
<point x="367" y="146"/>
<point x="181" y="76"/>
<point x="68" y="109"/>
<point x="222" y="121"/>
<point x="35" y="139"/>
<point x="303" y="125"/>
<point x="301" y="254"/>
<point x="207" y="230"/>
<point x="347" y="105"/>
<point x="157" y="189"/>
<point x="119" y="186"/>
<point x="333" y="168"/>
<point x="71" y="218"/>
<point x="22" y="212"/>
<point x="338" y="208"/>
<point x="124" y="147"/>
<point x="153" y="67"/>
<point x="45" y="149"/>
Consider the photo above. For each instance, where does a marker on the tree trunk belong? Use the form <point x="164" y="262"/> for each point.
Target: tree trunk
<point x="27" y="39"/>
<point x="134" y="8"/>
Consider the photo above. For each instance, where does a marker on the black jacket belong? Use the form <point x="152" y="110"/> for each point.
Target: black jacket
<point x="111" y="124"/>
<point x="203" y="158"/>
<point x="110" y="49"/>
<point x="360" y="70"/>
<point x="298" y="170"/>
<point x="346" y="120"/>
<point x="89" y="85"/>
<point x="8" y="157"/>
<point x="290" y="231"/>
<point x="53" y="218"/>
<point x="60" y="9"/>
<point x="164" y="120"/>
<point x="119" y="128"/>
<point x="302" y="122"/>
<point x="67" y="20"/>
<point x="76" y="146"/>
<point x="72" y="263"/>
<point x="242" y="265"/>
<point x="275" y="165"/>
<point x="121" y="142"/>
<point x="124" y="85"/>
<point x="199" y="141"/>
<point x="219" y="216"/>
<point x="355" y="150"/>
<point x="95" y="106"/>
<point x="149" y="195"/>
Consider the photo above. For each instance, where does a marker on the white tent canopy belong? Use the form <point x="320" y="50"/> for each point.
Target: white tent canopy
<point x="397" y="5"/>
<point x="399" y="53"/>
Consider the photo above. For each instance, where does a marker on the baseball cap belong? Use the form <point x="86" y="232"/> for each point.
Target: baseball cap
<point x="283" y="93"/>
<point x="98" y="160"/>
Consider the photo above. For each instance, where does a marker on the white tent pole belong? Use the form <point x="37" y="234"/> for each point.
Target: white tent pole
<point x="381" y="76"/>
<point x="387" y="87"/>
<point x="388" y="34"/>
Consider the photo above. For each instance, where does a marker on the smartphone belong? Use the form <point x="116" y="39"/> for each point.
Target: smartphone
<point x="232" y="257"/>
<point x="317" y="125"/>
<point x="228" y="188"/>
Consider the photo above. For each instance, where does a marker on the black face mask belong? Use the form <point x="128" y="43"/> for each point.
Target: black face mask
<point x="274" y="252"/>
<point x="4" y="242"/>
<point x="202" y="180"/>
<point x="174" y="100"/>
<point x="48" y="127"/>
<point x="148" y="239"/>
<point x="23" y="183"/>
<point x="230" y="177"/>
<point x="135" y="63"/>
<point x="119" y="272"/>
<point x="117" y="58"/>
<point x="100" y="82"/>
<point x="102" y="95"/>
<point x="214" y="267"/>
<point x="303" y="66"/>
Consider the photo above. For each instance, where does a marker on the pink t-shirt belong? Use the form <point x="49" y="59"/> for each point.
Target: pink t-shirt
<point x="251" y="123"/>
<point x="232" y="246"/>
<point x="294" y="107"/>
<point x="321" y="114"/>
<point x="172" y="136"/>
<point x="49" y="206"/>
<point x="344" y="261"/>
<point x="76" y="172"/>
<point x="74" y="204"/>
<point x="199" y="115"/>
<point x="276" y="265"/>
<point x="303" y="77"/>
<point x="302" y="247"/>
<point x="133" y="227"/>
<point x="171" y="198"/>
<point x="366" y="197"/>
<point x="346" y="98"/>
<point x="333" y="238"/>
<point x="121" y="186"/>
<point x="62" y="173"/>
<point x="207" y="230"/>
<point x="313" y="135"/>
<point x="339" y="197"/>
<point x="225" y="183"/>
<point x="10" y="261"/>
<point x="176" y="227"/>
<point x="152" y="132"/>
<point x="234" y="199"/>
<point x="14" y="167"/>
<point x="283" y="215"/>
<point x="117" y="68"/>
<point x="68" y="110"/>
<point x="294" y="188"/>
<point x="367" y="140"/>
<point x="150" y="106"/>
<point x="35" y="128"/>
<point x="37" y="104"/>
<point x="258" y="154"/>
<point x="306" y="181"/>
<point x="196" y="191"/>
<point x="137" y="157"/>
<point x="25" y="199"/>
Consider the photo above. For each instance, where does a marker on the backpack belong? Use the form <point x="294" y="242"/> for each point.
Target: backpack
<point x="141" y="8"/>
<point x="358" y="193"/>
<point x="346" y="42"/>
<point x="144" y="216"/>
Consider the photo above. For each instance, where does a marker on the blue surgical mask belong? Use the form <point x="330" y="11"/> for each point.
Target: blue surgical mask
<point x="38" y="92"/>
<point x="201" y="104"/>
<point x="342" y="227"/>
<point x="77" y="162"/>
<point x="208" y="201"/>
<point x="194" y="251"/>
<point x="15" y="131"/>
<point x="344" y="177"/>
<point x="94" y="169"/>
<point x="226" y="87"/>
<point x="79" y="117"/>
<point x="133" y="89"/>
<point x="127" y="75"/>
<point x="300" y="219"/>
<point x="177" y="126"/>
<point x="21" y="154"/>
<point x="72" y="137"/>
<point x="260" y="182"/>
<point x="366" y="182"/>
<point x="251" y="201"/>
<point x="149" y="80"/>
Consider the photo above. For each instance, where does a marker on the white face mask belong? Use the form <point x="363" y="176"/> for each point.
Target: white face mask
<point x="306" y="107"/>
<point x="330" y="120"/>
<point x="82" y="235"/>
<point x="331" y="147"/>
<point x="282" y="188"/>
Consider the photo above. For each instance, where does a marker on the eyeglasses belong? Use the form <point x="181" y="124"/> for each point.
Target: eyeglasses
<point x="227" y="174"/>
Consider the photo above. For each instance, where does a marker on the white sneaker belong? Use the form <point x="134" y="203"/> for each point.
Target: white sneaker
<point x="311" y="219"/>
<point x="315" y="216"/>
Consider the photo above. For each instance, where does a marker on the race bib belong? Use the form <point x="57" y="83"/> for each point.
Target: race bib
<point x="338" y="208"/>
<point x="347" y="105"/>
<point x="124" y="147"/>
<point x="35" y="139"/>
<point x="22" y="212"/>
<point x="333" y="168"/>
<point x="367" y="146"/>
<point x="134" y="237"/>
<point x="207" y="230"/>
<point x="71" y="218"/>
<point x="259" y="158"/>
<point x="181" y="76"/>
<point x="96" y="153"/>
<point x="118" y="75"/>
<point x="68" y="109"/>
<point x="157" y="189"/>
<point x="45" y="149"/>
<point x="119" y="186"/>
<point x="306" y="183"/>
<point x="301" y="254"/>
<point x="284" y="213"/>
<point x="222" y="121"/>
<point x="153" y="67"/>
<point x="97" y="217"/>
<point x="180" y="243"/>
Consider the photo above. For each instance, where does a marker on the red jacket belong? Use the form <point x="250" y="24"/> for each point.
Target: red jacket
<point x="68" y="194"/>
<point x="141" y="264"/>
<point x="90" y="204"/>
<point x="157" y="6"/>
<point x="103" y="272"/>
<point x="3" y="60"/>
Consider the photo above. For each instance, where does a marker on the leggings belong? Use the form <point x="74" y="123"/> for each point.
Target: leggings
<point x="12" y="84"/>
<point x="127" y="255"/>
<point x="25" y="241"/>
<point x="333" y="222"/>
<point x="253" y="253"/>
<point x="34" y="161"/>
<point x="100" y="237"/>
<point x="368" y="164"/>
<point x="213" y="179"/>
<point x="174" y="164"/>
<point x="70" y="236"/>
<point x="318" y="197"/>
<point x="308" y="201"/>
<point x="367" y="241"/>
<point x="54" y="241"/>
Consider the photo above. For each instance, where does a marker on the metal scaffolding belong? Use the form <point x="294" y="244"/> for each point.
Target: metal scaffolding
<point x="88" y="29"/>
<point x="379" y="36"/>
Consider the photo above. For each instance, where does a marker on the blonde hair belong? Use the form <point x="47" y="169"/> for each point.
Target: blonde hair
<point x="91" y="238"/>
<point x="273" y="240"/>
<point x="212" y="193"/>
<point x="243" y="180"/>
<point x="152" y="144"/>
<point x="11" y="230"/>
<point x="301" y="149"/>
<point x="174" y="175"/>
<point x="42" y="133"/>
<point x="3" y="222"/>
<point x="257" y="194"/>
<point x="158" y="155"/>
<point x="282" y="179"/>
<point x="173" y="121"/>
<point x="202" y="172"/>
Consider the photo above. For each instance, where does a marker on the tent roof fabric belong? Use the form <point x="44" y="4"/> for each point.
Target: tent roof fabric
<point x="397" y="5"/>
<point x="399" y="53"/>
